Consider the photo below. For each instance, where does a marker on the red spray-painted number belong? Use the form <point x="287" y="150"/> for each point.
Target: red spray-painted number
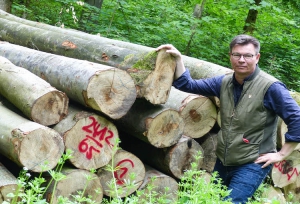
<point x="92" y="141"/>
<point x="119" y="174"/>
<point x="285" y="167"/>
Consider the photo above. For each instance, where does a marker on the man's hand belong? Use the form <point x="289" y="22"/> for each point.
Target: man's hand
<point x="180" y="69"/>
<point x="271" y="158"/>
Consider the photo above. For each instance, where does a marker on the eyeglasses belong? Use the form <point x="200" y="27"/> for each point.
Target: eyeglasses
<point x="238" y="56"/>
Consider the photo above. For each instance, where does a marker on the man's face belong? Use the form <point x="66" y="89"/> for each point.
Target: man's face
<point x="244" y="65"/>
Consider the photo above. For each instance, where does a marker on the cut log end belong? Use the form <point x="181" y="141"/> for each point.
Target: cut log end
<point x="112" y="92"/>
<point x="125" y="164"/>
<point x="50" y="108"/>
<point x="183" y="155"/>
<point x="91" y="139"/>
<point x="199" y="117"/>
<point x="166" y="129"/>
<point x="75" y="181"/>
<point x="157" y="85"/>
<point x="40" y="149"/>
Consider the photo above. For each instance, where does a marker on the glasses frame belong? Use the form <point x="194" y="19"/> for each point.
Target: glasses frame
<point x="238" y="56"/>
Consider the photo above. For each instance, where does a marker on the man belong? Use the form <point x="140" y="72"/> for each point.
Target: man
<point x="251" y="102"/>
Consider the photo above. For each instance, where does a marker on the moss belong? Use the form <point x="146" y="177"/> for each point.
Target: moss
<point x="146" y="62"/>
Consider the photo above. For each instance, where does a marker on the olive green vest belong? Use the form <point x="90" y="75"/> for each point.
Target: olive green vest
<point x="247" y="129"/>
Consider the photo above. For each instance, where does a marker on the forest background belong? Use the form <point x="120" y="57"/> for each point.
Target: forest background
<point x="200" y="29"/>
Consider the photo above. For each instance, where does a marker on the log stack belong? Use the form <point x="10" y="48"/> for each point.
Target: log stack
<point x="117" y="87"/>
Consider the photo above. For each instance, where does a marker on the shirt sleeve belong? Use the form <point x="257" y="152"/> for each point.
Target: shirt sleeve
<point x="205" y="87"/>
<point x="278" y="98"/>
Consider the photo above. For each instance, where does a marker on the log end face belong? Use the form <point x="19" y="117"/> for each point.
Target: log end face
<point x="50" y="109"/>
<point x="91" y="139"/>
<point x="166" y="129"/>
<point x="41" y="149"/>
<point x="112" y="92"/>
<point x="200" y="116"/>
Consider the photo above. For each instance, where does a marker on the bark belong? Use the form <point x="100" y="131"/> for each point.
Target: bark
<point x="8" y="183"/>
<point x="161" y="183"/>
<point x="100" y="87"/>
<point x="124" y="164"/>
<point x="28" y="143"/>
<point x="5" y="5"/>
<point x="287" y="171"/>
<point x="156" y="125"/>
<point x="69" y="46"/>
<point x="74" y="182"/>
<point x="251" y="19"/>
<point x="91" y="138"/>
<point x="198" y="112"/>
<point x="36" y="98"/>
<point x="198" y="68"/>
<point x="209" y="145"/>
<point x="173" y="160"/>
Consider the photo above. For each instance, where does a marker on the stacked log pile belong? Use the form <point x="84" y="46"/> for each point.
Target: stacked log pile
<point x="117" y="90"/>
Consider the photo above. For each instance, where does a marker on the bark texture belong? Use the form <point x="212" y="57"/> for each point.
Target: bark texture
<point x="36" y="98"/>
<point x="28" y="143"/>
<point x="69" y="46"/>
<point x="198" y="68"/>
<point x="100" y="87"/>
<point x="91" y="138"/>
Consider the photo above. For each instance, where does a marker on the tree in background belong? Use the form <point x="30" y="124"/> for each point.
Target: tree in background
<point x="5" y="5"/>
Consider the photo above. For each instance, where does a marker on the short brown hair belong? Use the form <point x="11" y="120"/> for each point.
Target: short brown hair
<point x="245" y="40"/>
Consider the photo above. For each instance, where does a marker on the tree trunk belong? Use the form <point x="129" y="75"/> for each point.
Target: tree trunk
<point x="91" y="137"/>
<point x="61" y="44"/>
<point x="103" y="88"/>
<point x="209" y="146"/>
<point x="8" y="183"/>
<point x="124" y="164"/>
<point x="198" y="68"/>
<point x="5" y="5"/>
<point x="286" y="171"/>
<point x="157" y="125"/>
<point x="96" y="3"/>
<point x="161" y="183"/>
<point x="251" y="19"/>
<point x="198" y="112"/>
<point x="75" y="181"/>
<point x="172" y="161"/>
<point x="28" y="143"/>
<point x="36" y="98"/>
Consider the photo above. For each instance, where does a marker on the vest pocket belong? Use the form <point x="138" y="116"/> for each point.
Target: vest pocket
<point x="241" y="149"/>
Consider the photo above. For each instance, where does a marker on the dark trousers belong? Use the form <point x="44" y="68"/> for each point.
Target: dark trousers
<point x="242" y="180"/>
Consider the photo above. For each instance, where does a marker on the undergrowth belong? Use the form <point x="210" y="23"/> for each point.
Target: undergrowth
<point x="194" y="188"/>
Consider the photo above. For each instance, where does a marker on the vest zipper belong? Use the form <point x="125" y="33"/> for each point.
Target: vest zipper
<point x="225" y="155"/>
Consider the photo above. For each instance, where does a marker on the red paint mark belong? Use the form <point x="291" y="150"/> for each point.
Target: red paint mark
<point x="123" y="170"/>
<point x="245" y="140"/>
<point x="95" y="137"/>
<point x="285" y="167"/>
